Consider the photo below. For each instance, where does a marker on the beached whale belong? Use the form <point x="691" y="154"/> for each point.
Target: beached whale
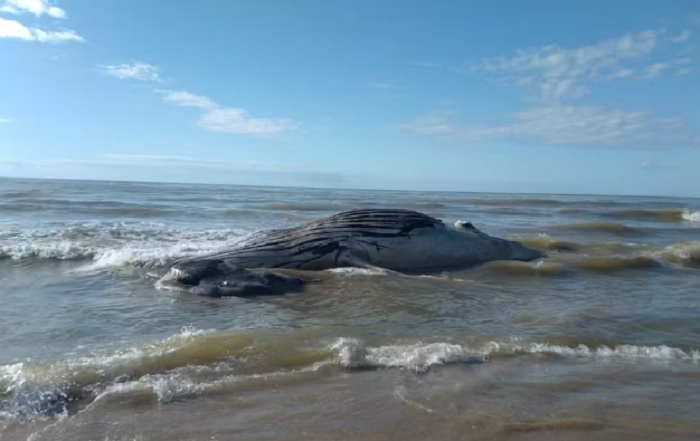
<point x="385" y="239"/>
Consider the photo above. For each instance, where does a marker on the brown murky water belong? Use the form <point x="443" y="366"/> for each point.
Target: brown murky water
<point x="600" y="339"/>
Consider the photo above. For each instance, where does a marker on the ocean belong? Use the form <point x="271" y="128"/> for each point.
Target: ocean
<point x="599" y="339"/>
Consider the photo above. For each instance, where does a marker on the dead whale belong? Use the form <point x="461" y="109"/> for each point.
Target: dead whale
<point x="385" y="239"/>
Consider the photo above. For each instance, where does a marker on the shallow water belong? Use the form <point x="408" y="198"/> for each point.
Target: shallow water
<point x="601" y="338"/>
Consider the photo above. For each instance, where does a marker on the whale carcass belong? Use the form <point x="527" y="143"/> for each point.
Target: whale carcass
<point x="386" y="239"/>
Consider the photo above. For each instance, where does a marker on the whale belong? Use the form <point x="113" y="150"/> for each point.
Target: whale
<point x="386" y="240"/>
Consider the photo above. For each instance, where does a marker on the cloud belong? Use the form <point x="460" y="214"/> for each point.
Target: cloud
<point x="650" y="165"/>
<point x="654" y="70"/>
<point x="133" y="71"/>
<point x="435" y="123"/>
<point x="683" y="36"/>
<point x="175" y="160"/>
<point x="15" y="29"/>
<point x="213" y="117"/>
<point x="186" y="99"/>
<point x="36" y="7"/>
<point x="218" y="118"/>
<point x="150" y="161"/>
<point x="426" y="64"/>
<point x="169" y="168"/>
<point x="566" y="125"/>
<point x="556" y="73"/>
<point x="5" y="120"/>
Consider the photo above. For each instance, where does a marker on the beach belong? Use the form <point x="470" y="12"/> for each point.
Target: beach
<point x="600" y="338"/>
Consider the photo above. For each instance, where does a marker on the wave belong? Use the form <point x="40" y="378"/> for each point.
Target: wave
<point x="537" y="202"/>
<point x="683" y="253"/>
<point x="602" y="227"/>
<point x="616" y="263"/>
<point x="523" y="269"/>
<point x="669" y="215"/>
<point x="115" y="244"/>
<point x="691" y="216"/>
<point x="427" y="204"/>
<point x="297" y="207"/>
<point x="545" y="242"/>
<point x="107" y="209"/>
<point x="193" y="362"/>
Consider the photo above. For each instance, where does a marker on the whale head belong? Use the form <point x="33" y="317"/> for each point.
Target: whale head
<point x="495" y="248"/>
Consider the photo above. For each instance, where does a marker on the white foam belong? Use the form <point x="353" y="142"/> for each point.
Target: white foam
<point x="30" y="385"/>
<point x="683" y="252"/>
<point x="110" y="244"/>
<point x="352" y="271"/>
<point x="691" y="216"/>
<point x="11" y="376"/>
<point x="419" y="357"/>
<point x="20" y="376"/>
<point x="582" y="351"/>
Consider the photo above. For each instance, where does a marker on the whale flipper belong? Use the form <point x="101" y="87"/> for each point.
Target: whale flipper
<point x="217" y="278"/>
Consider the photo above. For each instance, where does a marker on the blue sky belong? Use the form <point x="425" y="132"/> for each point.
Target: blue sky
<point x="506" y="96"/>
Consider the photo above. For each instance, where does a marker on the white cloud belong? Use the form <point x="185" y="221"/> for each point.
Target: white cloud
<point x="213" y="117"/>
<point x="36" y="7"/>
<point x="218" y="118"/>
<point x="169" y="168"/>
<point x="427" y="64"/>
<point x="56" y="36"/>
<point x="133" y="71"/>
<point x="650" y="165"/>
<point x="186" y="99"/>
<point x="434" y="123"/>
<point x="5" y="120"/>
<point x="555" y="73"/>
<point x="622" y="73"/>
<point x="15" y="29"/>
<point x="567" y="126"/>
<point x="175" y="160"/>
<point x="154" y="161"/>
<point x="683" y="36"/>
<point x="654" y="70"/>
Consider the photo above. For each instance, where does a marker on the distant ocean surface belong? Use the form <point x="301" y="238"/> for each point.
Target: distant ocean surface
<point x="600" y="339"/>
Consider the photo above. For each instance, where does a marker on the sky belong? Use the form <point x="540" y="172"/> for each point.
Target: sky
<point x="592" y="97"/>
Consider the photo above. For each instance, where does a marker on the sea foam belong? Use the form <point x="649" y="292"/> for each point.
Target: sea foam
<point x="195" y="361"/>
<point x="114" y="244"/>
<point x="691" y="216"/>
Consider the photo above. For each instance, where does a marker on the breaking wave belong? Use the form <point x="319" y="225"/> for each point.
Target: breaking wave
<point x="524" y="269"/>
<point x="603" y="227"/>
<point x="670" y="215"/>
<point x="616" y="263"/>
<point x="194" y="362"/>
<point x="683" y="253"/>
<point x="298" y="207"/>
<point x="114" y="244"/>
<point x="545" y="242"/>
